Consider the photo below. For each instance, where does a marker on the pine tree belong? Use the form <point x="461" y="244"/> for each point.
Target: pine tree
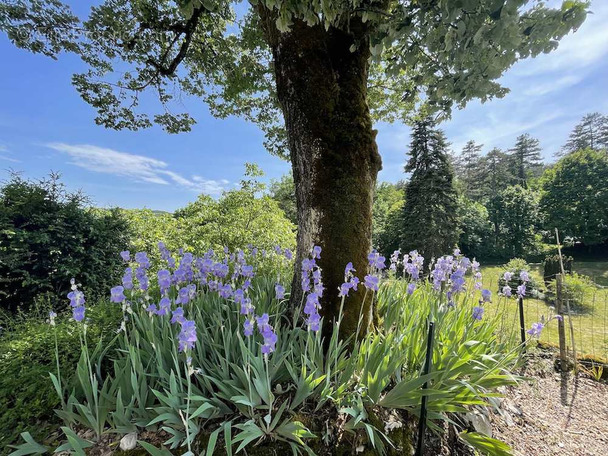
<point x="497" y="176"/>
<point x="590" y="133"/>
<point x="496" y="172"/>
<point x="469" y="170"/>
<point x="429" y="214"/>
<point x="526" y="158"/>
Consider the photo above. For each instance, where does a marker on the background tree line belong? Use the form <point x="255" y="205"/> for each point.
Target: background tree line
<point x="493" y="206"/>
<point x="49" y="235"/>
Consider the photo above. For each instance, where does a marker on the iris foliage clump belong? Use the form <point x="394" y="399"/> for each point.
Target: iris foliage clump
<point x="209" y="355"/>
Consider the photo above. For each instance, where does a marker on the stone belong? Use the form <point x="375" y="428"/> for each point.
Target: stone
<point x="129" y="441"/>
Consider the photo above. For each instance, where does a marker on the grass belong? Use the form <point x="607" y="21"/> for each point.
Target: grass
<point x="590" y="323"/>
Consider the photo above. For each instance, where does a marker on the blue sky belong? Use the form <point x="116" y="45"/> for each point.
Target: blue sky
<point x="44" y="126"/>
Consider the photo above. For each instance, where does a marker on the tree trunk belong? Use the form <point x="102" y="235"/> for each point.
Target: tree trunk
<point x="322" y="89"/>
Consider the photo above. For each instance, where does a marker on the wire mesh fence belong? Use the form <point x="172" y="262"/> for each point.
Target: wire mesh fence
<point x="589" y="316"/>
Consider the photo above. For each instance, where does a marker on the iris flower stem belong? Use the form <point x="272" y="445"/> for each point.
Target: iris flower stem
<point x="271" y="396"/>
<point x="58" y="366"/>
<point x="361" y="314"/>
<point x="187" y="421"/>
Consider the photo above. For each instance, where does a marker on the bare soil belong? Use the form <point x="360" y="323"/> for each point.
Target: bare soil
<point x="554" y="413"/>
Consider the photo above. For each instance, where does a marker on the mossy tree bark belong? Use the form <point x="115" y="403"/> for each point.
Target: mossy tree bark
<point x="322" y="88"/>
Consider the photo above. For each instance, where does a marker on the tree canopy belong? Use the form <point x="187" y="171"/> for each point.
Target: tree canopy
<point x="439" y="52"/>
<point x="590" y="133"/>
<point x="575" y="196"/>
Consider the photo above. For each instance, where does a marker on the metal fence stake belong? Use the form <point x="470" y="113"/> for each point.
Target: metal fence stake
<point x="426" y="370"/>
<point x="522" y="323"/>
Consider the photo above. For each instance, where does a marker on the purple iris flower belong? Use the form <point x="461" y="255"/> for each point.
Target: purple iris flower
<point x="371" y="282"/>
<point x="506" y="290"/>
<point x="280" y="291"/>
<point x="270" y="338"/>
<point x="536" y="329"/>
<point x="344" y="289"/>
<point x="164" y="279"/>
<point x="395" y="256"/>
<point x="314" y="321"/>
<point x="486" y="295"/>
<point x="238" y="295"/>
<point x="78" y="313"/>
<point x="142" y="259"/>
<point x="478" y="312"/>
<point x="183" y="296"/>
<point x="127" y="279"/>
<point x="76" y="297"/>
<point x="142" y="278"/>
<point x="411" y="288"/>
<point x="246" y="306"/>
<point x="349" y="285"/>
<point x="316" y="252"/>
<point x="312" y="303"/>
<point x="164" y="307"/>
<point x="117" y="294"/>
<point x="178" y="315"/>
<point x="152" y="308"/>
<point x="348" y="271"/>
<point x="247" y="271"/>
<point x="308" y="264"/>
<point x="187" y="336"/>
<point x="376" y="260"/>
<point x="125" y="255"/>
<point x="225" y="291"/>
<point x="521" y="290"/>
<point x="248" y="327"/>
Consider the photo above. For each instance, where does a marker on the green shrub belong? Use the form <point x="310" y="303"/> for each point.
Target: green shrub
<point x="240" y="217"/>
<point x="27" y="356"/>
<point x="577" y="289"/>
<point x="552" y="266"/>
<point x="476" y="235"/>
<point x="48" y="236"/>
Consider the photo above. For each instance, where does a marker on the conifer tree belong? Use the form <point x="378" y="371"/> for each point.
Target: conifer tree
<point x="590" y="133"/>
<point x="497" y="176"/>
<point x="429" y="214"/>
<point x="496" y="172"/>
<point x="526" y="158"/>
<point x="469" y="170"/>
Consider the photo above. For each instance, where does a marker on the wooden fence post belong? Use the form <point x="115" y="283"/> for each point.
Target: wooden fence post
<point x="560" y="323"/>
<point x="561" y="263"/>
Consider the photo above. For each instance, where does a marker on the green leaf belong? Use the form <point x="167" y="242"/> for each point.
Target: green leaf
<point x="29" y="447"/>
<point x="204" y="408"/>
<point x="151" y="449"/>
<point x="212" y="442"/>
<point x="486" y="445"/>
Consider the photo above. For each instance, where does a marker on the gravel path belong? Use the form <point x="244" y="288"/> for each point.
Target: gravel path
<point x="554" y="414"/>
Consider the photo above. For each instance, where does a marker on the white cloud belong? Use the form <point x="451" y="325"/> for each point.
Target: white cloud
<point x="497" y="129"/>
<point x="134" y="167"/>
<point x="4" y="152"/>
<point x="576" y="51"/>
<point x="550" y="86"/>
